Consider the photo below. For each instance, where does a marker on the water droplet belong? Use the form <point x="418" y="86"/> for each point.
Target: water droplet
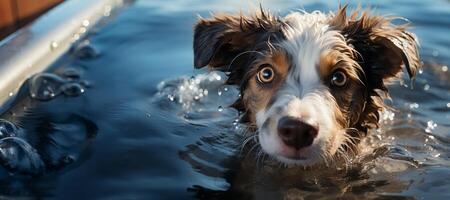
<point x="72" y="89"/>
<point x="171" y="97"/>
<point x="82" y="30"/>
<point x="444" y="68"/>
<point x="225" y="89"/>
<point x="53" y="45"/>
<point x="45" y="86"/>
<point x="107" y="10"/>
<point x="430" y="126"/>
<point x="85" y="23"/>
<point x="220" y="108"/>
<point x="219" y="93"/>
<point x="426" y="87"/>
<point x="75" y="37"/>
<point x="11" y="94"/>
<point x="218" y="77"/>
<point x="420" y="71"/>
<point x="148" y="115"/>
<point x="197" y="81"/>
<point x="435" y="53"/>
<point x="413" y="105"/>
<point x="236" y="121"/>
<point x="448" y="105"/>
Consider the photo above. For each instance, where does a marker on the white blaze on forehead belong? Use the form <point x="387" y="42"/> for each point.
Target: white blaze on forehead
<point x="307" y="36"/>
<point x="303" y="95"/>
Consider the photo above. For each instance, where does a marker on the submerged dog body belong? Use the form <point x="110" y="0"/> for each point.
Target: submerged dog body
<point x="312" y="83"/>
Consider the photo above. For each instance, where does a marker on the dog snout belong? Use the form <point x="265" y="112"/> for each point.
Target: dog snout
<point x="295" y="132"/>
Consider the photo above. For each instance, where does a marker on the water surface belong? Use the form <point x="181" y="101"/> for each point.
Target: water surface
<point x="137" y="122"/>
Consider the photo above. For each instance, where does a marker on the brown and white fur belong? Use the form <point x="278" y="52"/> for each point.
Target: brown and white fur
<point x="324" y="75"/>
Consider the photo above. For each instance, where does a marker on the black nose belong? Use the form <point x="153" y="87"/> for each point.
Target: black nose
<point x="296" y="133"/>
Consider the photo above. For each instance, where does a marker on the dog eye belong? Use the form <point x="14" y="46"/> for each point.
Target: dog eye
<point x="266" y="74"/>
<point x="339" y="79"/>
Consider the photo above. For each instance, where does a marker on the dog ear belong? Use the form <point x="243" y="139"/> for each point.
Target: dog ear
<point x="382" y="50"/>
<point x="216" y="41"/>
<point x="383" y="47"/>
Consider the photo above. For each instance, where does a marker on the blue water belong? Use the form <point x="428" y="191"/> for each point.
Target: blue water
<point x="138" y="122"/>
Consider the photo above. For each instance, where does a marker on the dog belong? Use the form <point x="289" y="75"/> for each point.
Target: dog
<point x="312" y="84"/>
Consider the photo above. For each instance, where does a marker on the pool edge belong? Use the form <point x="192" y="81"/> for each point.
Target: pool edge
<point x="35" y="47"/>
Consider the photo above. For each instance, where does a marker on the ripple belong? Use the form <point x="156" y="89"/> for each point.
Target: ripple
<point x="71" y="74"/>
<point x="47" y="86"/>
<point x="63" y="140"/>
<point x="7" y="129"/>
<point x="16" y="154"/>
<point x="85" y="50"/>
<point x="72" y="89"/>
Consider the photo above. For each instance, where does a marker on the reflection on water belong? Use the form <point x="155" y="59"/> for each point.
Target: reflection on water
<point x="149" y="127"/>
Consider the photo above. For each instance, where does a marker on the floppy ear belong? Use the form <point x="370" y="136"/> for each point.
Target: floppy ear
<point x="216" y="41"/>
<point x="383" y="47"/>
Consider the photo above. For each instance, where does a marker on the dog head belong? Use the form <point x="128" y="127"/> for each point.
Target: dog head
<point x="312" y="83"/>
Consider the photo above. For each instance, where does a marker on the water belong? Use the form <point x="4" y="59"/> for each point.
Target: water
<point x="129" y="118"/>
<point x="47" y="86"/>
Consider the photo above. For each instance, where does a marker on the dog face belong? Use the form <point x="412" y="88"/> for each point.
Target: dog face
<point x="310" y="82"/>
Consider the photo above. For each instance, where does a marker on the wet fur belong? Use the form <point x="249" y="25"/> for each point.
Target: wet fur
<point x="372" y="53"/>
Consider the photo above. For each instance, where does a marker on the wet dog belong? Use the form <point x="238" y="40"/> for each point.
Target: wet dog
<point x="312" y="84"/>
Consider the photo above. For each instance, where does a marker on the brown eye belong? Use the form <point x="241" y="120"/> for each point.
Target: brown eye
<point x="266" y="74"/>
<point x="339" y="79"/>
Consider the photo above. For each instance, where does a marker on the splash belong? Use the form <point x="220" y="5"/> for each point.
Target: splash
<point x="197" y="91"/>
<point x="431" y="125"/>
